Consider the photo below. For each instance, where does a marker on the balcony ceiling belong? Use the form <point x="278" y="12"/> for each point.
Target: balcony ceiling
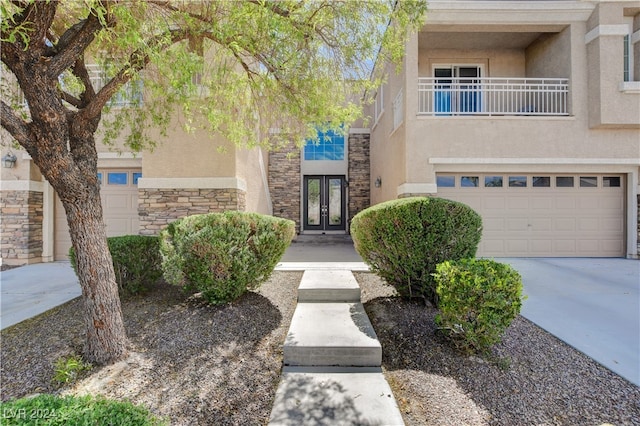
<point x="476" y="40"/>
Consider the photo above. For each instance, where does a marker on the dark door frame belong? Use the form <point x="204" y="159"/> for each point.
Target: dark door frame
<point x="324" y="195"/>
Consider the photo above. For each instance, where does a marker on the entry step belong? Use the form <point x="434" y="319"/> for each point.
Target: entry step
<point x="328" y="286"/>
<point x="331" y="334"/>
<point x="334" y="396"/>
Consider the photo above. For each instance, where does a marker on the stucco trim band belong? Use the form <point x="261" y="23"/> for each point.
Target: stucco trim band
<point x="193" y="183"/>
<point x="568" y="161"/>
<point x="21" y="185"/>
<point x="417" y="188"/>
<point x="606" y="30"/>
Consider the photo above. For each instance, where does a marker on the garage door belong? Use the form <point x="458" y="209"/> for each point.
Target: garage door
<point x="539" y="215"/>
<point x="119" y="192"/>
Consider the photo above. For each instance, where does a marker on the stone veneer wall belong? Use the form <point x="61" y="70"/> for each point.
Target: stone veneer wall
<point x="359" y="173"/>
<point x="285" y="183"/>
<point x="21" y="227"/>
<point x="159" y="207"/>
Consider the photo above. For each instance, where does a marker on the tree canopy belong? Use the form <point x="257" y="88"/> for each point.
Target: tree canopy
<point x="238" y="68"/>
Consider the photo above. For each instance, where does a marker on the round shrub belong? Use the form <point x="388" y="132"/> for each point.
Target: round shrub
<point x="479" y="298"/>
<point x="403" y="240"/>
<point x="222" y="255"/>
<point x="136" y="262"/>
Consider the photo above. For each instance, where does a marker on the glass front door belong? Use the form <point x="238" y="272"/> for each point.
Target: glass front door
<point x="324" y="203"/>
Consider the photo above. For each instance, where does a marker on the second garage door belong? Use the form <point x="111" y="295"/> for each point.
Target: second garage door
<point x="544" y="215"/>
<point x="119" y="193"/>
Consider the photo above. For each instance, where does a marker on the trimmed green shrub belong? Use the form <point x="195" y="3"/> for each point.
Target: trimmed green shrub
<point x="403" y="240"/>
<point x="479" y="298"/>
<point x="51" y="410"/>
<point x="136" y="262"/>
<point x="222" y="255"/>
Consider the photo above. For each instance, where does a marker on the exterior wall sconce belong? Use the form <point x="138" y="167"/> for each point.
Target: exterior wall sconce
<point x="378" y="182"/>
<point x="9" y="160"/>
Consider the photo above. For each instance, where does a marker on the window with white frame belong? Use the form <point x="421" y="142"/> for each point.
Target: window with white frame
<point x="458" y="88"/>
<point x="629" y="40"/>
<point x="398" y="110"/>
<point x="378" y="104"/>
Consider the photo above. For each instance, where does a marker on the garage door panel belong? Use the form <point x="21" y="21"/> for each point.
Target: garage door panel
<point x="117" y="201"/>
<point x="548" y="221"/>
<point x="517" y="203"/>
<point x="613" y="225"/>
<point x="541" y="224"/>
<point x="611" y="203"/>
<point x="564" y="247"/>
<point x="612" y="246"/>
<point x="587" y="202"/>
<point x="541" y="247"/>
<point x="565" y="203"/>
<point x="117" y="227"/>
<point x="517" y="246"/>
<point x="494" y="203"/>
<point x="493" y="224"/>
<point x="120" y="210"/>
<point x="517" y="224"/>
<point x="567" y="224"/>
<point x="587" y="224"/>
<point x="544" y="203"/>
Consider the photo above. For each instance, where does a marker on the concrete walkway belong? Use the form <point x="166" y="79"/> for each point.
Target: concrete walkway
<point x="332" y="372"/>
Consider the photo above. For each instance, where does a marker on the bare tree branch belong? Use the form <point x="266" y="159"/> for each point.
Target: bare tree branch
<point x="70" y="99"/>
<point x="73" y="43"/>
<point x="80" y="71"/>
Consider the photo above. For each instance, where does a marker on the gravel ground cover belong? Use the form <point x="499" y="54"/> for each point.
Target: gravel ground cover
<point x="532" y="377"/>
<point x="220" y="365"/>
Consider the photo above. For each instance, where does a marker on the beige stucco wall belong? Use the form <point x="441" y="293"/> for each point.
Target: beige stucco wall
<point x="251" y="166"/>
<point x="609" y="104"/>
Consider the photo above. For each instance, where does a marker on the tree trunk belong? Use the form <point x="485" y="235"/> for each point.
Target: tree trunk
<point x="106" y="337"/>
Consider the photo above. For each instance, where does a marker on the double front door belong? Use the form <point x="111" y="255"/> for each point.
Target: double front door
<point x="324" y="203"/>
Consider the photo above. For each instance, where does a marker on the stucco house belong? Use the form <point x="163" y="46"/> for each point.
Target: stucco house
<point x="527" y="111"/>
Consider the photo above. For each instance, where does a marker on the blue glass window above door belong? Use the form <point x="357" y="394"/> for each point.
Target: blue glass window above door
<point x="329" y="146"/>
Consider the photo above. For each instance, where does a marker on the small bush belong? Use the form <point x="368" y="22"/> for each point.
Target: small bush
<point x="50" y="410"/>
<point x="136" y="261"/>
<point x="403" y="240"/>
<point x="69" y="369"/>
<point x="222" y="255"/>
<point x="479" y="298"/>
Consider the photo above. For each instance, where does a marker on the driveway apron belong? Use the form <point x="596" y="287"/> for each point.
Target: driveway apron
<point x="592" y="304"/>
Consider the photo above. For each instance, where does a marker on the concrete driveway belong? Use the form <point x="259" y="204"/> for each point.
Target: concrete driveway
<point x="30" y="290"/>
<point x="592" y="304"/>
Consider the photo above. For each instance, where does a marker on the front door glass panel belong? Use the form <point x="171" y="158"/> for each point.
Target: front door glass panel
<point x="324" y="203"/>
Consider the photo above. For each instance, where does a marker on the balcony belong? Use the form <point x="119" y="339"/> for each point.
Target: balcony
<point x="493" y="96"/>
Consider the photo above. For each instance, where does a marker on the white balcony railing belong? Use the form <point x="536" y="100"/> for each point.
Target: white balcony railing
<point x="492" y="96"/>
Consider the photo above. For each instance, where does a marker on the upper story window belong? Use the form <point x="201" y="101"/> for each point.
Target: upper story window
<point x="458" y="88"/>
<point x="629" y="73"/>
<point x="329" y="146"/>
<point x="627" y="58"/>
<point x="129" y="95"/>
<point x="378" y="105"/>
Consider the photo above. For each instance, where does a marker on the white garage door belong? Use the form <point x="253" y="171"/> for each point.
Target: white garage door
<point x="539" y="215"/>
<point x="119" y="192"/>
